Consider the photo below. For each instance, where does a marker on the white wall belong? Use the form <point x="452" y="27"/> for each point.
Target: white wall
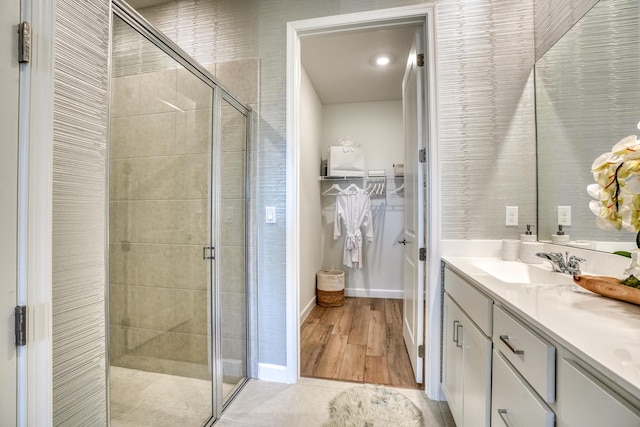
<point x="311" y="231"/>
<point x="377" y="126"/>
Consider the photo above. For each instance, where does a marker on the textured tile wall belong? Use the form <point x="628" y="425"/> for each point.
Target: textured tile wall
<point x="588" y="99"/>
<point x="485" y="55"/>
<point x="486" y="116"/>
<point x="553" y="18"/>
<point x="79" y="192"/>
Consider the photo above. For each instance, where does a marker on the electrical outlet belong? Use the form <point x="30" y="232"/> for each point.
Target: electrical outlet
<point x="564" y="215"/>
<point x="511" y="215"/>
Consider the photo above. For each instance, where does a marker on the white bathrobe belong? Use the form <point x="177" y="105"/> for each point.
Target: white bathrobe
<point x="353" y="209"/>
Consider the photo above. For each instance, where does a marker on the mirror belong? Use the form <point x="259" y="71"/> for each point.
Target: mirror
<point x="587" y="99"/>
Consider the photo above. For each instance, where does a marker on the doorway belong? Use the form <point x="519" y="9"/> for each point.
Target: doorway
<point x="178" y="203"/>
<point x="298" y="32"/>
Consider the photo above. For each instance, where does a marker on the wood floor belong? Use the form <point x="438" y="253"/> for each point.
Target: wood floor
<point x="360" y="341"/>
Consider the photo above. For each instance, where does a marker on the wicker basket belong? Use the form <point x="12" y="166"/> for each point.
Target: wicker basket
<point x="330" y="288"/>
<point x="330" y="298"/>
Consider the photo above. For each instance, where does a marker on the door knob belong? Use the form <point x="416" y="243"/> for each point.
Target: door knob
<point x="403" y="241"/>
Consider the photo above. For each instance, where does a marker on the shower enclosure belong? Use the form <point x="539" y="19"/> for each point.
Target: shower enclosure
<point x="177" y="233"/>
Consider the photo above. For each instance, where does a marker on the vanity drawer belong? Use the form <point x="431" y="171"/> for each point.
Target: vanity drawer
<point x="473" y="302"/>
<point x="533" y="357"/>
<point x="513" y="402"/>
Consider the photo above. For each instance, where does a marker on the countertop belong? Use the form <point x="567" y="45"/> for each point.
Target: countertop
<point x="602" y="331"/>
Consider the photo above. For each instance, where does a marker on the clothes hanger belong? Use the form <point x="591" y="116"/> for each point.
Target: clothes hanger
<point x="397" y="190"/>
<point x="335" y="189"/>
<point x="352" y="188"/>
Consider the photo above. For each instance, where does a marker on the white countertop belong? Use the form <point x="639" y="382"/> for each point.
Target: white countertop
<point x="602" y="331"/>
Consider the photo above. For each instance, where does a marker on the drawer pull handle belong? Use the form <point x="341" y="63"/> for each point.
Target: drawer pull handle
<point x="505" y="340"/>
<point x="455" y="331"/>
<point x="502" y="413"/>
<point x="458" y="337"/>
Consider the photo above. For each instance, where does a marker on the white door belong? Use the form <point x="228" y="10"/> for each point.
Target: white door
<point x="9" y="99"/>
<point x="414" y="273"/>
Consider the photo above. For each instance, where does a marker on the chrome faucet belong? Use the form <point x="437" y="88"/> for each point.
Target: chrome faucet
<point x="563" y="264"/>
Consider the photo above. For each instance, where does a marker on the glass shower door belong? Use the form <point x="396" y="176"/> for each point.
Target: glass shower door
<point x="232" y="243"/>
<point x="160" y="271"/>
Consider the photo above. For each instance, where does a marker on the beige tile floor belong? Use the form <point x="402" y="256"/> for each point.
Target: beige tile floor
<point x="140" y="399"/>
<point x="306" y="403"/>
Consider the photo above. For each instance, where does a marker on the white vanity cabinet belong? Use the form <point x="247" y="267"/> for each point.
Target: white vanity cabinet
<point x="511" y="358"/>
<point x="467" y="352"/>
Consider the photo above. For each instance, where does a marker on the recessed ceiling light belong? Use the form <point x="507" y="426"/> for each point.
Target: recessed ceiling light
<point x="382" y="60"/>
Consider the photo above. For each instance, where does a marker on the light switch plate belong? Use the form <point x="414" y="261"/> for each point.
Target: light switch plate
<point x="270" y="214"/>
<point x="511" y="216"/>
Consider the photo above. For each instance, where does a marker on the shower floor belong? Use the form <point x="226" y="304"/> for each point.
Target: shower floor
<point x="141" y="398"/>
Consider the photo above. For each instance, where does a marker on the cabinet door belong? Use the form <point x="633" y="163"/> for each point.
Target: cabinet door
<point x="477" y="375"/>
<point x="453" y="360"/>
<point x="584" y="402"/>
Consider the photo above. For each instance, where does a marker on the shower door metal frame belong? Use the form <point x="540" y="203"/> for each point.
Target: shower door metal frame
<point x="138" y="23"/>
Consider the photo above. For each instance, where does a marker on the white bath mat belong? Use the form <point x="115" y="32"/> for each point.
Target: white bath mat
<point x="370" y="406"/>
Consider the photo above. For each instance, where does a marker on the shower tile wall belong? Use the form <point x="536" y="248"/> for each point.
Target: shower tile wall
<point x="159" y="196"/>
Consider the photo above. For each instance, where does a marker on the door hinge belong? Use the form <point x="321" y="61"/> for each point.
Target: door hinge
<point x="212" y="252"/>
<point x="420" y="60"/>
<point x="422" y="155"/>
<point x="423" y="254"/>
<point x="421" y="351"/>
<point x="24" y="42"/>
<point x="21" y="325"/>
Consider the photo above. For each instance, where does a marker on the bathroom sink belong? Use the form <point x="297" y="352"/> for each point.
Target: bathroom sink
<point x="518" y="272"/>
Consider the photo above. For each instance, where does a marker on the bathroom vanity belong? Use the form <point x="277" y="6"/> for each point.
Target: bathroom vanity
<point x="524" y="346"/>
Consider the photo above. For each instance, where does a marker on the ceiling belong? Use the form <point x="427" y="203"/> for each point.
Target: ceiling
<point x="341" y="65"/>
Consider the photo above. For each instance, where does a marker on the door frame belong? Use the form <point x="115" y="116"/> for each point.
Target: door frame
<point x="35" y="180"/>
<point x="371" y="19"/>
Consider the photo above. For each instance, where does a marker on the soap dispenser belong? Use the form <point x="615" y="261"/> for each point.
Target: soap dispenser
<point x="528" y="236"/>
<point x="560" y="237"/>
<point x="529" y="247"/>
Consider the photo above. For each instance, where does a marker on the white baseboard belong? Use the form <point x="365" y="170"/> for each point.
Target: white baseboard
<point x="373" y="293"/>
<point x="273" y="373"/>
<point x="307" y="310"/>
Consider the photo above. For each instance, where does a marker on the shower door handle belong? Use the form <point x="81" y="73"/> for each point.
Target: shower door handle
<point x="212" y="252"/>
